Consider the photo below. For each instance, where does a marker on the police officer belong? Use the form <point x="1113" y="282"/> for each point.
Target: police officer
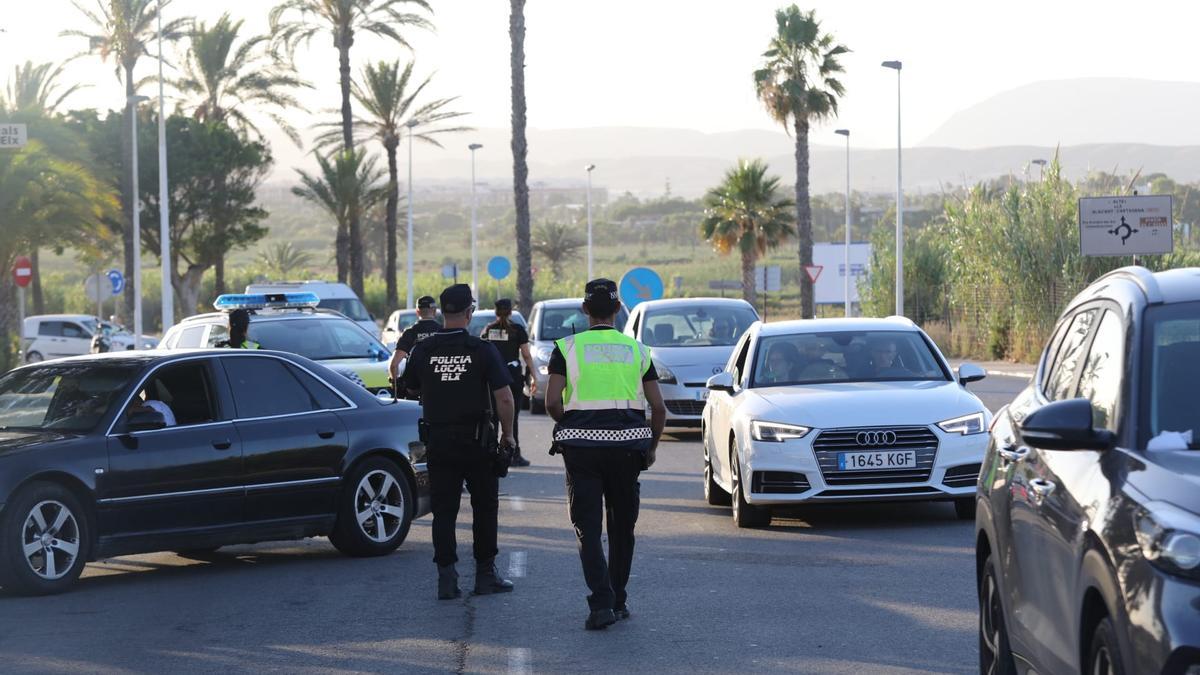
<point x="512" y="341"/>
<point x="425" y="327"/>
<point x="239" y="329"/>
<point x="457" y="377"/>
<point x="600" y="383"/>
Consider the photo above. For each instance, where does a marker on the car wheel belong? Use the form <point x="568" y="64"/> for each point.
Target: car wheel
<point x="995" y="657"/>
<point x="1104" y="655"/>
<point x="745" y="514"/>
<point x="714" y="494"/>
<point x="46" y="540"/>
<point x="375" y="510"/>
<point x="34" y="357"/>
<point x="537" y="406"/>
<point x="965" y="508"/>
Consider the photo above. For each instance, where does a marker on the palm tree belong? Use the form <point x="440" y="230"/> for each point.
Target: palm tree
<point x="557" y="243"/>
<point x="384" y="92"/>
<point x="745" y="213"/>
<point x="284" y="258"/>
<point x="346" y="186"/>
<point x="122" y="30"/>
<point x="520" y="150"/>
<point x="798" y="85"/>
<point x="221" y="79"/>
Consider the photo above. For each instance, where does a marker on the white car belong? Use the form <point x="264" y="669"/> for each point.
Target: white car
<point x="53" y="336"/>
<point x="841" y="410"/>
<point x="333" y="295"/>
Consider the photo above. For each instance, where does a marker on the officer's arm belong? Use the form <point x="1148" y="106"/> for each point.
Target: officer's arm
<point x="554" y="400"/>
<point x="394" y="365"/>
<point x="525" y="354"/>
<point x="505" y="409"/>
<point x="658" y="410"/>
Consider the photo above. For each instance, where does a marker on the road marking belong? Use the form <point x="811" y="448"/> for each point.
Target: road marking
<point x="516" y="564"/>
<point x="518" y="661"/>
<point x="518" y="504"/>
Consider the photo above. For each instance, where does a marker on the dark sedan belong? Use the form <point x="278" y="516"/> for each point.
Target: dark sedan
<point x="123" y="453"/>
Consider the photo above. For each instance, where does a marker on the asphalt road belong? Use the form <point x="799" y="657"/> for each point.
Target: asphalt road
<point x="846" y="589"/>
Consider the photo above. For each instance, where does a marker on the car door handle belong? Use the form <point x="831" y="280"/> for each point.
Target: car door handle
<point x="222" y="444"/>
<point x="325" y="433"/>
<point x="1042" y="488"/>
<point x="1011" y="454"/>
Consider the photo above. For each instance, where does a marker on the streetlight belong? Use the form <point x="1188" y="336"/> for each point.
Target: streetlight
<point x="133" y="101"/>
<point x="846" y="279"/>
<point x="411" y="124"/>
<point x="164" y="202"/>
<point x="589" y="168"/>
<point x="896" y="65"/>
<point x="1041" y="163"/>
<point x="474" y="226"/>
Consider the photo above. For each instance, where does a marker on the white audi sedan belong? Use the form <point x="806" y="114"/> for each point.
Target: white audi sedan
<point x="837" y="410"/>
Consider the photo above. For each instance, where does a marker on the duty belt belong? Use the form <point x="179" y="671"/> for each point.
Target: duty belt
<point x="603" y="435"/>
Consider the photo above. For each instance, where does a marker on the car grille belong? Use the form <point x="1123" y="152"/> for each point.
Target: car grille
<point x="685" y="407"/>
<point x="778" y="483"/>
<point x="830" y="442"/>
<point x="962" y="476"/>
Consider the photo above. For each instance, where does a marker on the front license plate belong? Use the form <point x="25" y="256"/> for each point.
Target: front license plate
<point x="702" y="395"/>
<point x="873" y="461"/>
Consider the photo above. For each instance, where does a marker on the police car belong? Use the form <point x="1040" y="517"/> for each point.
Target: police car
<point x="292" y="322"/>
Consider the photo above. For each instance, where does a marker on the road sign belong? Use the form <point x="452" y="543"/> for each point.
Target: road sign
<point x="450" y="271"/>
<point x="725" y="285"/>
<point x="813" y="272"/>
<point x="639" y="285"/>
<point x="13" y="136"/>
<point x="1116" y="226"/>
<point x="830" y="289"/>
<point x="97" y="287"/>
<point x="22" y="271"/>
<point x="117" y="280"/>
<point x="499" y="267"/>
<point x="768" y="279"/>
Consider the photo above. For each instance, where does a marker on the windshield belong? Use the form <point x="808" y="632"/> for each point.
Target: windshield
<point x="482" y="318"/>
<point x="71" y="397"/>
<point x="318" y="339"/>
<point x="850" y="356"/>
<point x="1172" y="359"/>
<point x="697" y="326"/>
<point x="559" y="322"/>
<point x="351" y="307"/>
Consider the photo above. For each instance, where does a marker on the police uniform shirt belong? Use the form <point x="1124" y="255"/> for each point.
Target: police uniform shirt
<point x="558" y="366"/>
<point x="451" y="376"/>
<point x="507" y="341"/>
<point x="415" y="333"/>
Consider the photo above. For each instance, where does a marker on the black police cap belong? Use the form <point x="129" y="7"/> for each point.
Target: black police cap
<point x="457" y="299"/>
<point x="600" y="295"/>
<point x="426" y="301"/>
<point x="504" y="305"/>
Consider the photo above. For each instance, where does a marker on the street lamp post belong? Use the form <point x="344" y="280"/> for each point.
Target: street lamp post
<point x="846" y="277"/>
<point x="137" y="226"/>
<point x="164" y="202"/>
<point x="411" y="124"/>
<point x="1041" y="164"/>
<point x="896" y="65"/>
<point x="589" y="169"/>
<point x="474" y="224"/>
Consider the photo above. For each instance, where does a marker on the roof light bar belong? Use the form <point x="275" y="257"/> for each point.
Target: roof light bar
<point x="232" y="301"/>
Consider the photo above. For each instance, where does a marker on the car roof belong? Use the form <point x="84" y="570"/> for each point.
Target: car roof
<point x="1166" y="287"/>
<point x="327" y="290"/>
<point x="270" y="315"/>
<point x="561" y="302"/>
<point x="75" y="317"/>
<point x="688" y="302"/>
<point x="894" y="323"/>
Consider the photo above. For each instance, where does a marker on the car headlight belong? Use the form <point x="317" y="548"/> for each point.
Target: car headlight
<point x="542" y="354"/>
<point x="1168" y="537"/>
<point x="665" y="375"/>
<point x="775" y="432"/>
<point x="965" y="425"/>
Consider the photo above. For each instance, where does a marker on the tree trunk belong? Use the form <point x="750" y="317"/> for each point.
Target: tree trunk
<point x="516" y="33"/>
<point x="10" y="349"/>
<point x="128" y="199"/>
<point x="354" y="234"/>
<point x="749" y="288"/>
<point x="804" y="218"/>
<point x="219" y="264"/>
<point x="354" y="252"/>
<point x="393" y="198"/>
<point x="39" y="301"/>
<point x="187" y="287"/>
<point x="342" y="243"/>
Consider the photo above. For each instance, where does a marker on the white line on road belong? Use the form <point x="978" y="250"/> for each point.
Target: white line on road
<point x="518" y="504"/>
<point x="518" y="661"/>
<point x="516" y="564"/>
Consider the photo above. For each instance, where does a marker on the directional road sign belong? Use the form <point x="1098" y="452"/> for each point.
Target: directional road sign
<point x="639" y="285"/>
<point x="13" y="136"/>
<point x="1116" y="226"/>
<point x="118" y="281"/>
<point x="499" y="267"/>
<point x="22" y="271"/>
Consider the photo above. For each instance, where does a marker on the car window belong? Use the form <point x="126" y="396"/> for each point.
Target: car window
<point x="559" y="322"/>
<point x="1050" y="351"/>
<point x="181" y="392"/>
<point x="696" y="325"/>
<point x="845" y="356"/>
<point x="739" y="364"/>
<point x="1062" y="373"/>
<point x="217" y="333"/>
<point x="351" y="307"/>
<point x="190" y="337"/>
<point x="320" y="339"/>
<point x="1170" y="370"/>
<point x="264" y="387"/>
<point x="74" y="330"/>
<point x="50" y="328"/>
<point x="1100" y="380"/>
<point x="71" y="397"/>
<point x="321" y="393"/>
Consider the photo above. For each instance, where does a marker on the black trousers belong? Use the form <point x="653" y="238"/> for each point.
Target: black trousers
<point x="450" y="464"/>
<point x="604" y="481"/>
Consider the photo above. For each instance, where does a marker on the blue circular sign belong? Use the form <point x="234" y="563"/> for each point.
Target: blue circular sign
<point x="499" y="267"/>
<point x="639" y="285"/>
<point x="117" y="280"/>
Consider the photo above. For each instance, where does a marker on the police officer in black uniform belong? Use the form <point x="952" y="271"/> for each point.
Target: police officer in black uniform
<point x="512" y="340"/>
<point x="457" y="377"/>
<point x="425" y="327"/>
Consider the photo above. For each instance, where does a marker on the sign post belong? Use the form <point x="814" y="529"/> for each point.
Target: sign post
<point x="1121" y="226"/>
<point x="22" y="272"/>
<point x="13" y="136"/>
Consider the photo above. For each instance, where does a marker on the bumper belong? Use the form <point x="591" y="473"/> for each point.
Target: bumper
<point x="685" y="403"/>
<point x="1166" y="638"/>
<point x="790" y="473"/>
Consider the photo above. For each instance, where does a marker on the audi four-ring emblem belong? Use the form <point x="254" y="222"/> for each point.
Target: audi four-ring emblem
<point x="875" y="438"/>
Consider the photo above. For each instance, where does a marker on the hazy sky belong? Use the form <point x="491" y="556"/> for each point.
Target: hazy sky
<point x="688" y="63"/>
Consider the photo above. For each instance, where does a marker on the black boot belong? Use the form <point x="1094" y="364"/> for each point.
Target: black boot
<point x="519" y="461"/>
<point x="599" y="619"/>
<point x="488" y="580"/>
<point x="448" y="583"/>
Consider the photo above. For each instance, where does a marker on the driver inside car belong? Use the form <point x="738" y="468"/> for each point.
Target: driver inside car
<point x="143" y="403"/>
<point x="883" y="359"/>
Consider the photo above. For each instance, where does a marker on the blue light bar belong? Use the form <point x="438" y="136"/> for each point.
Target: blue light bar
<point x="231" y="301"/>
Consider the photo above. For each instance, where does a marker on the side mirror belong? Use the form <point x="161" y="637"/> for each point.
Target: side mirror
<point x="722" y="381"/>
<point x="969" y="372"/>
<point x="146" y="420"/>
<point x="1065" y="425"/>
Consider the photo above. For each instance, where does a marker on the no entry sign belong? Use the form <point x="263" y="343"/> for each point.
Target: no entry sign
<point x="22" y="271"/>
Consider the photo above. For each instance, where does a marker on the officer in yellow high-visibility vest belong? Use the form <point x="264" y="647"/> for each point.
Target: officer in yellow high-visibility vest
<point x="600" y="384"/>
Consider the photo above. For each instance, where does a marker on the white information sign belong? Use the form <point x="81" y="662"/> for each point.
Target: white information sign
<point x="830" y="288"/>
<point x="768" y="279"/>
<point x="13" y="136"/>
<point x="1116" y="226"/>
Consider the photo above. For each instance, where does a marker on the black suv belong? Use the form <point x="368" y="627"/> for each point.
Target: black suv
<point x="1088" y="520"/>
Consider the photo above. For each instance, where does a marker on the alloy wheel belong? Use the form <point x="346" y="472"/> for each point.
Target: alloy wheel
<point x="379" y="505"/>
<point x="1102" y="662"/>
<point x="50" y="540"/>
<point x="991" y="626"/>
